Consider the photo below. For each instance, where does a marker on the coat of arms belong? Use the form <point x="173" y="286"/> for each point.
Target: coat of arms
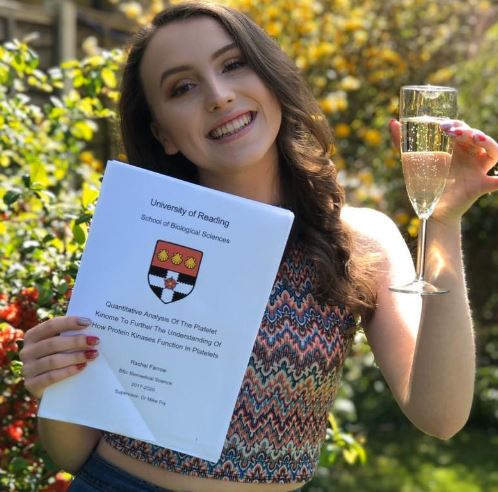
<point x="173" y="271"/>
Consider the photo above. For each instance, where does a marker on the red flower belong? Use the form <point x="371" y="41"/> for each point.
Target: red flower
<point x="8" y="338"/>
<point x="30" y="294"/>
<point x="14" y="431"/>
<point x="12" y="314"/>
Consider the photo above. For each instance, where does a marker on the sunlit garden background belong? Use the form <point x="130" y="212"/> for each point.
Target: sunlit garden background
<point x="57" y="130"/>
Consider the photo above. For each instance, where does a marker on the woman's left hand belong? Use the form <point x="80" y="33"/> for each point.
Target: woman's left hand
<point x="474" y="154"/>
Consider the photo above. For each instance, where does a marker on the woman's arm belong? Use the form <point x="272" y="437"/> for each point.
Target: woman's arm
<point x="425" y="347"/>
<point x="48" y="358"/>
<point x="443" y="367"/>
<point x="69" y="445"/>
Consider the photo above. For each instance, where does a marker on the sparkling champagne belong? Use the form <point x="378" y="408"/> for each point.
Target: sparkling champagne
<point x="426" y="158"/>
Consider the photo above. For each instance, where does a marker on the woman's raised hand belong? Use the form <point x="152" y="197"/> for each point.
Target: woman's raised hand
<point x="474" y="154"/>
<point x="48" y="357"/>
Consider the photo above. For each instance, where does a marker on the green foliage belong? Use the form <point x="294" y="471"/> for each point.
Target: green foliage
<point x="403" y="460"/>
<point x="478" y="95"/>
<point x="45" y="209"/>
<point x="48" y="185"/>
<point x="340" y="444"/>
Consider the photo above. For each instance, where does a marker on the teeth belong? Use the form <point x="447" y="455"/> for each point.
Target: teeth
<point x="231" y="127"/>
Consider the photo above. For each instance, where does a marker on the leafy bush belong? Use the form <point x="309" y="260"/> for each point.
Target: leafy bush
<point x="404" y="460"/>
<point x="48" y="184"/>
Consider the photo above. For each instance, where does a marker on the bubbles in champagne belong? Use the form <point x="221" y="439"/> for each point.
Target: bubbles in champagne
<point x="425" y="176"/>
<point x="426" y="158"/>
<point x="424" y="134"/>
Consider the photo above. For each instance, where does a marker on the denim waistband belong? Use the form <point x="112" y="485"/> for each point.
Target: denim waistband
<point x="98" y="474"/>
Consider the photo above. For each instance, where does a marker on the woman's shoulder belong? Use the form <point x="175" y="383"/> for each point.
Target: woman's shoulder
<point x="368" y="223"/>
<point x="374" y="234"/>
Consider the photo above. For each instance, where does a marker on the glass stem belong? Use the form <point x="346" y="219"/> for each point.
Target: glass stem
<point x="420" y="267"/>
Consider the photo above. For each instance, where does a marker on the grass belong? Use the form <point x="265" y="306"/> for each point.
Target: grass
<point x="406" y="460"/>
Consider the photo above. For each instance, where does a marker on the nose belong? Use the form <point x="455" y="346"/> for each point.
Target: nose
<point x="218" y="95"/>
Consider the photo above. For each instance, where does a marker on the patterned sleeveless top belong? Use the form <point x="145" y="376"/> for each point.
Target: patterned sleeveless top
<point x="280" y="417"/>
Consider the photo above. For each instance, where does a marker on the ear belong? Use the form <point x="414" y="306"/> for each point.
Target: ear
<point x="160" y="135"/>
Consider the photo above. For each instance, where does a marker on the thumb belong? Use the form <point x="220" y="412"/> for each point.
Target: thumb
<point x="395" y="130"/>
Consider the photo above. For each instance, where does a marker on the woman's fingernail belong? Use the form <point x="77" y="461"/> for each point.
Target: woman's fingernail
<point x="91" y="354"/>
<point x="84" y="322"/>
<point x="393" y="120"/>
<point x="458" y="133"/>
<point x="479" y="137"/>
<point x="92" y="340"/>
<point x="81" y="366"/>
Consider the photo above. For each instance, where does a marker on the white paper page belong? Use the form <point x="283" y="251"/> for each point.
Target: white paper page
<point x="172" y="357"/>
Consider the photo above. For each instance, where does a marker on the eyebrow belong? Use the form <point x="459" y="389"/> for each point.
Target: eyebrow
<point x="183" y="68"/>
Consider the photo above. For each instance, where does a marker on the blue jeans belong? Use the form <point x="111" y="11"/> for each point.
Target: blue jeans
<point x="98" y="475"/>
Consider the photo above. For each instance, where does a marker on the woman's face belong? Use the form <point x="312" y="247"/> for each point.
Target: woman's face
<point x="207" y="102"/>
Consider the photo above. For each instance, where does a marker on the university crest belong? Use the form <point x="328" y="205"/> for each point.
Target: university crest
<point x="173" y="271"/>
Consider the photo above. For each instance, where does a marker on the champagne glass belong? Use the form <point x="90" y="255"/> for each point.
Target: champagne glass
<point x="426" y="159"/>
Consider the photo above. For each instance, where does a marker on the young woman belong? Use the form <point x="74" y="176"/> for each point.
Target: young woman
<point x="208" y="97"/>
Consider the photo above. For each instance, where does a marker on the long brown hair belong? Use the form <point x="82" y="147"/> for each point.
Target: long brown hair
<point x="309" y="183"/>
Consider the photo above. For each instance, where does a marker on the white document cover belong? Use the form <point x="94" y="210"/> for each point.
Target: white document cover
<point x="175" y="278"/>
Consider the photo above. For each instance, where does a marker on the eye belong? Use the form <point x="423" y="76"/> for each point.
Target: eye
<point x="233" y="64"/>
<point x="181" y="89"/>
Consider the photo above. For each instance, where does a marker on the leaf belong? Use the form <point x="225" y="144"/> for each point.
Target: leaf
<point x="11" y="45"/>
<point x="62" y="287"/>
<point x="18" y="464"/>
<point x="56" y="102"/>
<point x="4" y="160"/>
<point x="70" y="64"/>
<point x="348" y="438"/>
<point x="11" y="197"/>
<point x="84" y="219"/>
<point x="86" y="106"/>
<point x="38" y="174"/>
<point x="44" y="295"/>
<point x="47" y="197"/>
<point x="30" y="244"/>
<point x="109" y="78"/>
<point x="333" y="423"/>
<point x="19" y="86"/>
<point x="79" y="80"/>
<point x="94" y="61"/>
<point x="349" y="455"/>
<point x="79" y="234"/>
<point x="88" y="196"/>
<point x="58" y="244"/>
<point x="83" y="130"/>
<point x="362" y="454"/>
<point x="16" y="367"/>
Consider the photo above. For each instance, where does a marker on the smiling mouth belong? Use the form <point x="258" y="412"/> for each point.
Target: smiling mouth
<point x="232" y="127"/>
